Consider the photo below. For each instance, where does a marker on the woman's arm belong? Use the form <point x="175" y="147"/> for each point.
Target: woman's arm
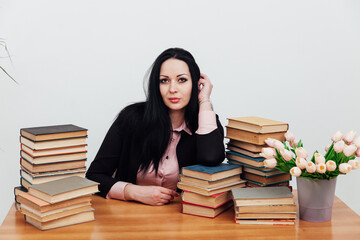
<point x="210" y="134"/>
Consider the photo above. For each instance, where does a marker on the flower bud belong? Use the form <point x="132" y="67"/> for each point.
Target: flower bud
<point x="268" y="152"/>
<point x="295" y="171"/>
<point x="321" y="168"/>
<point x="354" y="163"/>
<point x="310" y="167"/>
<point x="357" y="153"/>
<point x="327" y="147"/>
<point x="337" y="136"/>
<point x="330" y="165"/>
<point x="270" y="142"/>
<point x="357" y="142"/>
<point x="349" y="150"/>
<point x="301" y="152"/>
<point x="270" y="163"/>
<point x="319" y="158"/>
<point x="349" y="137"/>
<point x="345" y="168"/>
<point x="301" y="163"/>
<point x="286" y="154"/>
<point x="278" y="145"/>
<point x="339" y="146"/>
<point x="289" y="136"/>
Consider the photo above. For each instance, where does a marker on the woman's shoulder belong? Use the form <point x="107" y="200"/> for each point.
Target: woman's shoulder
<point x="131" y="115"/>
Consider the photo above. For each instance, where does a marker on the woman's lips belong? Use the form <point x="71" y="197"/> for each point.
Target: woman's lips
<point x="174" y="100"/>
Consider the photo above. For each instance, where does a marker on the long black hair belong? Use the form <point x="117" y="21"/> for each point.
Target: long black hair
<point x="156" y="121"/>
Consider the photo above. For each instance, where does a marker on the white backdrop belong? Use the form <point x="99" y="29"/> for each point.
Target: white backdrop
<point x="82" y="61"/>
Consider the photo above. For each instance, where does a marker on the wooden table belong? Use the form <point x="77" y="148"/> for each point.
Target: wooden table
<point x="129" y="220"/>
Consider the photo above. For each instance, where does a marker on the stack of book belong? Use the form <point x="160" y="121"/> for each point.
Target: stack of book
<point x="247" y="137"/>
<point x="274" y="206"/>
<point x="57" y="203"/>
<point x="206" y="190"/>
<point x="52" y="152"/>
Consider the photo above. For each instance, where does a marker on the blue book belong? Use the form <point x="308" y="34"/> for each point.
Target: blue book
<point x="258" y="159"/>
<point x="221" y="171"/>
<point x="242" y="159"/>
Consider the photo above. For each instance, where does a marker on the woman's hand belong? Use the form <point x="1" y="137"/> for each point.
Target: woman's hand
<point x="152" y="195"/>
<point x="205" y="87"/>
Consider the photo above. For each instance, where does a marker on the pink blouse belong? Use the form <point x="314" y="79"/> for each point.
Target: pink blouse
<point x="168" y="172"/>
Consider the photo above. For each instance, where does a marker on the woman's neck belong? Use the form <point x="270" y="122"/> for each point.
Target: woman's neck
<point x="177" y="118"/>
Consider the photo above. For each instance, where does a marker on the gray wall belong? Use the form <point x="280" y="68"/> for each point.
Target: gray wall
<point x="81" y="62"/>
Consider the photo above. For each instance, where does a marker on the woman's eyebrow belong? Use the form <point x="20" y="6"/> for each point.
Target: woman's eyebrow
<point x="182" y="74"/>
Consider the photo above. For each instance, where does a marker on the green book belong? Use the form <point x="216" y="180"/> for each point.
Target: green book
<point x="262" y="196"/>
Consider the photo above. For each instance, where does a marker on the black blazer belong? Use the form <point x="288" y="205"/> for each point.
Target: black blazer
<point x="118" y="151"/>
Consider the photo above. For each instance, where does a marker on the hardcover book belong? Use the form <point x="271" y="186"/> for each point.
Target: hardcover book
<point x="211" y="173"/>
<point x="37" y="178"/>
<point x="204" y="211"/>
<point x="243" y="151"/>
<point x="50" y="144"/>
<point x="53" y="132"/>
<point x="250" y="137"/>
<point x="258" y="124"/>
<point x="54" y="158"/>
<point x="49" y="167"/>
<point x="247" y="146"/>
<point x="82" y="217"/>
<point x="266" y="208"/>
<point x="265" y="180"/>
<point x="211" y="191"/>
<point x="262" y="196"/>
<point x="243" y="159"/>
<point x="53" y="151"/>
<point x="63" y="189"/>
<point x="212" y="201"/>
<point x="209" y="184"/>
<point x="274" y="222"/>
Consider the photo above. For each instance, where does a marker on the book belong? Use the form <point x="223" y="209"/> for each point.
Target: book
<point x="208" y="184"/>
<point x="262" y="196"/>
<point x="202" y="211"/>
<point x="243" y="151"/>
<point x="283" y="222"/>
<point x="272" y="215"/>
<point x="211" y="173"/>
<point x="53" y="158"/>
<point x="63" y="189"/>
<point x="53" y="151"/>
<point x="24" y="183"/>
<point x="266" y="180"/>
<point x="49" y="167"/>
<point x="82" y="217"/>
<point x="55" y="214"/>
<point x="212" y="201"/>
<point x="250" y="137"/>
<point x="42" y="206"/>
<point x="266" y="172"/>
<point x="243" y="159"/>
<point x="36" y="178"/>
<point x="247" y="146"/>
<point x="68" y="142"/>
<point x="251" y="184"/>
<point x="211" y="191"/>
<point x="258" y="124"/>
<point x="266" y="208"/>
<point x="53" y="132"/>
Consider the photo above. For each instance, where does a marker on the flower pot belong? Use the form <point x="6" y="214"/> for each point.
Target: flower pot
<point x="315" y="198"/>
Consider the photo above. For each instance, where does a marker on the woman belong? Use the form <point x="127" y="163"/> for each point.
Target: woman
<point x="151" y="141"/>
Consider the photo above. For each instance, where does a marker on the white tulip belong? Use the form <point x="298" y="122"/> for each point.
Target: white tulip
<point x="350" y="150"/>
<point x="289" y="136"/>
<point x="330" y="165"/>
<point x="301" y="152"/>
<point x="321" y="168"/>
<point x="337" y="136"/>
<point x="349" y="137"/>
<point x="310" y="167"/>
<point x="339" y="146"/>
<point x="270" y="163"/>
<point x="319" y="158"/>
<point x="268" y="152"/>
<point x="345" y="168"/>
<point x="301" y="163"/>
<point x="295" y="171"/>
<point x="286" y="154"/>
<point x="354" y="163"/>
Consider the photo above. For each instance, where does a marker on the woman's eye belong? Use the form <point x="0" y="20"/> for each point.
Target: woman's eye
<point x="164" y="80"/>
<point x="182" y="79"/>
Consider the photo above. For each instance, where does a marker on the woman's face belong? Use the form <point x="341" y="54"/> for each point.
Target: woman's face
<point x="175" y="84"/>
